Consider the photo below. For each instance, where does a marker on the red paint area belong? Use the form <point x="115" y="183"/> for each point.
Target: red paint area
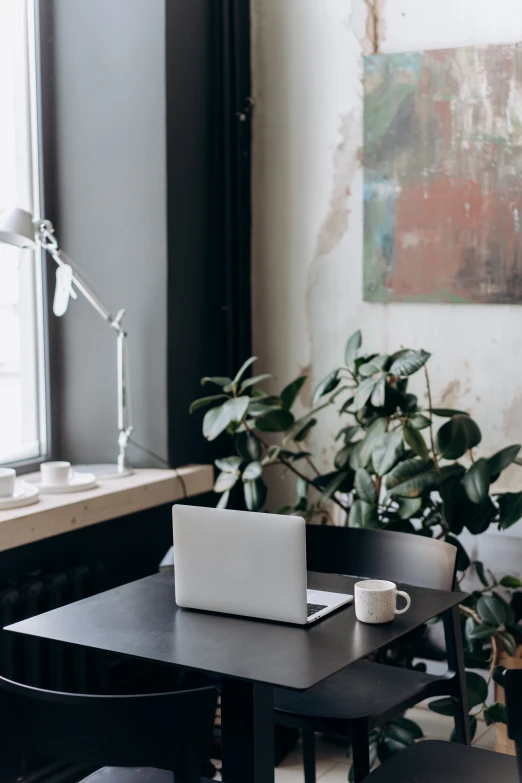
<point x="455" y="236"/>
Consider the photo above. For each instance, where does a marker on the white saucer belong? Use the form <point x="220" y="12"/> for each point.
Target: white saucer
<point x="24" y="495"/>
<point x="77" y="483"/>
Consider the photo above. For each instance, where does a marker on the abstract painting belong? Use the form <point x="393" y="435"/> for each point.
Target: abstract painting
<point x="443" y="176"/>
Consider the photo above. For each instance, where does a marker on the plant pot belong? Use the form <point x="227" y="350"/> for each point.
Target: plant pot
<point x="502" y="742"/>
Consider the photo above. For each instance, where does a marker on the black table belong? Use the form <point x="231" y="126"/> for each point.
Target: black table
<point x="141" y="619"/>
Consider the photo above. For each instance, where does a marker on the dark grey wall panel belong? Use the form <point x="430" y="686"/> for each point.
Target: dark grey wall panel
<point x="110" y="196"/>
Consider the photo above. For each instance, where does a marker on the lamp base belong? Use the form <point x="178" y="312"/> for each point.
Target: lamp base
<point x="104" y="471"/>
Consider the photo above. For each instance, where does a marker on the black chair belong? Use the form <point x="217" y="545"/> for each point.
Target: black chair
<point x="144" y="738"/>
<point x="366" y="693"/>
<point x="434" y="761"/>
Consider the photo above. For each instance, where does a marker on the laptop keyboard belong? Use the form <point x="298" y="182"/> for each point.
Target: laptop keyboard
<point x="313" y="608"/>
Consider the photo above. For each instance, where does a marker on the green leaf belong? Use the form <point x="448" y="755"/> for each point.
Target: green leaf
<point x="483" y="631"/>
<point x="373" y="434"/>
<point x="252" y="381"/>
<point x="415" y="440"/>
<point x="500" y="461"/>
<point x="217" y="419"/>
<point x="323" y="482"/>
<point x="248" y="446"/>
<point x="456" y="436"/>
<point x="447" y="413"/>
<point x="481" y="572"/>
<point x="407" y="469"/>
<point x="365" y="486"/>
<point x="409" y="727"/>
<point x="444" y="706"/>
<point x="327" y="385"/>
<point x="495" y="713"/>
<point x="223" y="500"/>
<point x="463" y="561"/>
<point x="477" y="689"/>
<point x="204" y="401"/>
<point x="228" y="464"/>
<point x="404" y="730"/>
<point x="416" y="486"/>
<point x="352" y="348"/>
<point x="389" y="747"/>
<point x="387" y="452"/>
<point x="225" y="481"/>
<point x="336" y="484"/>
<point x="378" y="394"/>
<point x="419" y="421"/>
<point x="364" y="392"/>
<point x="476" y="481"/>
<point x="255" y="494"/>
<point x="369" y="369"/>
<point x="472" y="729"/>
<point x="217" y="380"/>
<point x="290" y="392"/>
<point x="491" y="610"/>
<point x="305" y="430"/>
<point x="243" y="369"/>
<point x="498" y="675"/>
<point x="409" y="363"/>
<point x="275" y="421"/>
<point x="512" y="582"/>
<point x="252" y="471"/>
<point x="347" y="433"/>
<point x="342" y="458"/>
<point x="509" y="643"/>
<point x="408" y="507"/>
<point x="301" y="490"/>
<point x="510" y="504"/>
<point x="363" y="514"/>
<point x="475" y="661"/>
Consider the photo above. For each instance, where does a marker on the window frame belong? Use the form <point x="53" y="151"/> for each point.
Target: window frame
<point x="41" y="273"/>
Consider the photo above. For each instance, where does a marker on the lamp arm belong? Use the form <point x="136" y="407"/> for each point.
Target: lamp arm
<point x="46" y="239"/>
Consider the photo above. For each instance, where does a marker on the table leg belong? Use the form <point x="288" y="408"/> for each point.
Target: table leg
<point x="247" y="732"/>
<point x="455" y="653"/>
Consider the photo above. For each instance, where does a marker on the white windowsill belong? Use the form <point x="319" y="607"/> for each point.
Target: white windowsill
<point x="56" y="514"/>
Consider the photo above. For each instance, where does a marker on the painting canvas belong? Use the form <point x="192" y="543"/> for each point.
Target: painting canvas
<point x="443" y="175"/>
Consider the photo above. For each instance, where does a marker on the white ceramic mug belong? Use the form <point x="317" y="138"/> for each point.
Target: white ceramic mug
<point x="7" y="482"/>
<point x="376" y="601"/>
<point x="55" y="474"/>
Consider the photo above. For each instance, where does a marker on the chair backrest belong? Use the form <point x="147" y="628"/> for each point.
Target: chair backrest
<point x="169" y="731"/>
<point x="513" y="687"/>
<point x="381" y="554"/>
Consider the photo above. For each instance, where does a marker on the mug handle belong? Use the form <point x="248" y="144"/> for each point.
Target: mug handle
<point x="408" y="602"/>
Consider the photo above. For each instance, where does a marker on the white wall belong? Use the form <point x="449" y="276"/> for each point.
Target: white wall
<point x="308" y="227"/>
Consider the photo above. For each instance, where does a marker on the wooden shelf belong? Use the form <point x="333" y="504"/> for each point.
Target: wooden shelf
<point x="143" y="489"/>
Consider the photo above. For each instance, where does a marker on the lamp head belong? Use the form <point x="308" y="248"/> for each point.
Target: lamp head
<point x="17" y="228"/>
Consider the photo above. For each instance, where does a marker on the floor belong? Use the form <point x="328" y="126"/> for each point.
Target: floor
<point x="333" y="766"/>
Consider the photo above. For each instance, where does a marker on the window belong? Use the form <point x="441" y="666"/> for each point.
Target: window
<point x="22" y="419"/>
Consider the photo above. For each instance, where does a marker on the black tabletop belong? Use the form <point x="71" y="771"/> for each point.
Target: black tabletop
<point x="141" y="619"/>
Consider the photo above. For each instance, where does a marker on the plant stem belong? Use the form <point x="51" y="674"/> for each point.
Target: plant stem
<point x="294" y="470"/>
<point x="430" y="405"/>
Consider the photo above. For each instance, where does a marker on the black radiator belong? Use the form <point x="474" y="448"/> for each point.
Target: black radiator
<point x="37" y="662"/>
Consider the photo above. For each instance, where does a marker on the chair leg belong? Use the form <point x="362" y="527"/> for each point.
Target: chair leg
<point x="309" y="755"/>
<point x="455" y="655"/>
<point x="360" y="749"/>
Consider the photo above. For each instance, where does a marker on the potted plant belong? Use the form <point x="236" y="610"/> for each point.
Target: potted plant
<point x="401" y="464"/>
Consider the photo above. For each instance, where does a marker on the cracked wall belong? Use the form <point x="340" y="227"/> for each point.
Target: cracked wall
<point x="307" y="204"/>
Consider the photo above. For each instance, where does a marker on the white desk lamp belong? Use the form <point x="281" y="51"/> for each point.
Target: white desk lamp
<point x="19" y="228"/>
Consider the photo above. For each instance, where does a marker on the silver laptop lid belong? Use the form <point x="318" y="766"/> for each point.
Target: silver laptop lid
<point x="240" y="562"/>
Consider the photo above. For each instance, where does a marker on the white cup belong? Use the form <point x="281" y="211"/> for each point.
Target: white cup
<point x="55" y="474"/>
<point x="376" y="601"/>
<point x="7" y="482"/>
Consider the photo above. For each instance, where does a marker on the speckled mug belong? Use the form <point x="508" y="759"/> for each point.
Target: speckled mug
<point x="376" y="601"/>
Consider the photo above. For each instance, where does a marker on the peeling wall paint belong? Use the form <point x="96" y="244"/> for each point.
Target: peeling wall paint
<point x="307" y="208"/>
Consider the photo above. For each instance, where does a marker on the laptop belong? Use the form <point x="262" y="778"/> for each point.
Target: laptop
<point x="246" y="563"/>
